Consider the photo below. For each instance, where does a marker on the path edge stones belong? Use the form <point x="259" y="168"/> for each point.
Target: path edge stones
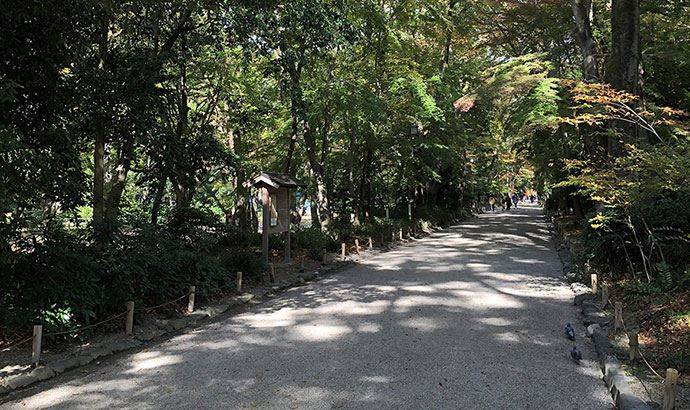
<point x="619" y="383"/>
<point x="154" y="329"/>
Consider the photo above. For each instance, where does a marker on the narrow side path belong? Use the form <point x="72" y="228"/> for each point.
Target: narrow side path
<point x="471" y="317"/>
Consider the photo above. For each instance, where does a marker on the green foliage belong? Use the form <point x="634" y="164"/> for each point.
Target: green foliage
<point x="315" y="242"/>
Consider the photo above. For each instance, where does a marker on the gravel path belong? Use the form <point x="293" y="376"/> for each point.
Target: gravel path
<point x="470" y="317"/>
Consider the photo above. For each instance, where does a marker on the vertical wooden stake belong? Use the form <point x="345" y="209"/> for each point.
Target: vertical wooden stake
<point x="409" y="211"/>
<point x="238" y="282"/>
<point x="266" y="221"/>
<point x="190" y="305"/>
<point x="273" y="274"/>
<point x="36" y="347"/>
<point x="301" y="263"/>
<point x="618" y="315"/>
<point x="357" y="245"/>
<point x="594" y="283"/>
<point x="604" y="295"/>
<point x="670" y="389"/>
<point x="387" y="214"/>
<point x="371" y="243"/>
<point x="342" y="251"/>
<point x="129" y="324"/>
<point x="392" y="236"/>
<point x="634" y="344"/>
<point x="400" y="234"/>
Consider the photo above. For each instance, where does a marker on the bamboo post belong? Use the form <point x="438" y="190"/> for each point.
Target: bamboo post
<point x="36" y="347"/>
<point x="594" y="283"/>
<point x="272" y="274"/>
<point x="357" y="246"/>
<point x="618" y="315"/>
<point x="342" y="251"/>
<point x="634" y="345"/>
<point x="604" y="295"/>
<point x="129" y="323"/>
<point x="670" y="389"/>
<point x="401" y="234"/>
<point x="387" y="214"/>
<point x="238" y="282"/>
<point x="371" y="243"/>
<point x="190" y="305"/>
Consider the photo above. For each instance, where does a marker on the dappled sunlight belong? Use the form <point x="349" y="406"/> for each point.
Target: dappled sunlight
<point x="318" y="331"/>
<point x="495" y="321"/>
<point x="153" y="363"/>
<point x="436" y="314"/>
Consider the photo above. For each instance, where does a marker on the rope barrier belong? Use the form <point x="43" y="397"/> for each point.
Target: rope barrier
<point x="21" y="342"/>
<point x="151" y="309"/>
<point x="625" y="329"/>
<point x="75" y="331"/>
<point x="110" y="319"/>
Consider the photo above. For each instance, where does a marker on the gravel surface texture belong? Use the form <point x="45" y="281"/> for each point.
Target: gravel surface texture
<point x="470" y="317"/>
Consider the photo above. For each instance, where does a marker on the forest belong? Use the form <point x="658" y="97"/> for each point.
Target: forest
<point x="127" y="130"/>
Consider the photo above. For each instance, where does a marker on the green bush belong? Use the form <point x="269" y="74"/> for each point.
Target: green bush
<point x="315" y="242"/>
<point x="63" y="280"/>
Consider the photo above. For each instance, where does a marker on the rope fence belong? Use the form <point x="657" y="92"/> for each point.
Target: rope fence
<point x="671" y="378"/>
<point x="39" y="336"/>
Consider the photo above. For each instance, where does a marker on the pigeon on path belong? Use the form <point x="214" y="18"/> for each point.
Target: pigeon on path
<point x="575" y="354"/>
<point x="569" y="331"/>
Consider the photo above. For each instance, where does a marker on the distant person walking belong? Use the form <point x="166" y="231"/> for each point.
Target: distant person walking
<point x="492" y="203"/>
<point x="507" y="201"/>
<point x="515" y="200"/>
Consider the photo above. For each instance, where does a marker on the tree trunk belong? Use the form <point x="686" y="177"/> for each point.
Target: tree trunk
<point x="445" y="59"/>
<point x="319" y="179"/>
<point x="624" y="72"/>
<point x="583" y="12"/>
<point x="99" y="180"/>
<point x="99" y="142"/>
<point x="158" y="199"/>
<point x="119" y="182"/>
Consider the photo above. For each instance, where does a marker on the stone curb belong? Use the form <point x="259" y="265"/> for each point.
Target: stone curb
<point x="154" y="329"/>
<point x="618" y="382"/>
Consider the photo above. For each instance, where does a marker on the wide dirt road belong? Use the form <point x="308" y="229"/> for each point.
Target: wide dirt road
<point x="471" y="317"/>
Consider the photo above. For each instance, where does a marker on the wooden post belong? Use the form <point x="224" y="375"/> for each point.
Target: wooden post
<point x="371" y="243"/>
<point x="604" y="295"/>
<point x="401" y="234"/>
<point x="272" y="274"/>
<point x="36" y="347"/>
<point x="238" y="282"/>
<point x="357" y="245"/>
<point x="190" y="305"/>
<point x="301" y="263"/>
<point x="409" y="211"/>
<point x="392" y="236"/>
<point x="634" y="345"/>
<point x="387" y="214"/>
<point x="594" y="283"/>
<point x="129" y="323"/>
<point x="618" y="315"/>
<point x="670" y="389"/>
<point x="266" y="199"/>
<point x="342" y="251"/>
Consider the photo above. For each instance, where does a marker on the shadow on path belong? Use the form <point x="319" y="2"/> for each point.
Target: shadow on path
<point x="470" y="317"/>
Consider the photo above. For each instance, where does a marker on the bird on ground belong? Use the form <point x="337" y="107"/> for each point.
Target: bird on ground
<point x="569" y="331"/>
<point x="575" y="354"/>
